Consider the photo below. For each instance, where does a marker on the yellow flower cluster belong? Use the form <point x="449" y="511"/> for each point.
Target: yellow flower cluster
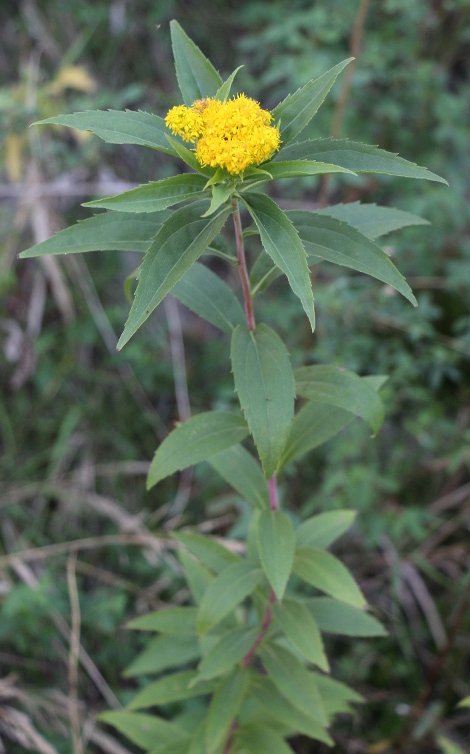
<point x="231" y="135"/>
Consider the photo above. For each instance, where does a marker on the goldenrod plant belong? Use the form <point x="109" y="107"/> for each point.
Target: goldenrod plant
<point x="248" y="651"/>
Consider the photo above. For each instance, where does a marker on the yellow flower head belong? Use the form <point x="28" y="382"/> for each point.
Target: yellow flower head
<point x="231" y="135"/>
<point x="185" y="121"/>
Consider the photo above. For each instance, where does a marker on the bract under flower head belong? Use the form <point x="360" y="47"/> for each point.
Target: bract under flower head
<point x="230" y="135"/>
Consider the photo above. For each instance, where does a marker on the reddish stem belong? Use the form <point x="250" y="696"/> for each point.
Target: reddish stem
<point x="273" y="498"/>
<point x="242" y="269"/>
<point x="268" y="616"/>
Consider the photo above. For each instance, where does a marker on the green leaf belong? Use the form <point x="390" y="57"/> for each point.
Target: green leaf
<point x="154" y="196"/>
<point x="265" y="386"/>
<point x="198" y="743"/>
<point x="116" y="127"/>
<point x="258" y="739"/>
<point x="230" y="649"/>
<point x="226" y="592"/>
<point x="360" y="158"/>
<point x="281" y="241"/>
<point x="313" y="425"/>
<point x="238" y="467"/>
<point x="336" y="695"/>
<point x="293" y="681"/>
<point x="449" y="747"/>
<point x="325" y="572"/>
<point x="178" y="244"/>
<point x="197" y="77"/>
<point x="337" y="242"/>
<point x="147" y="731"/>
<point x="299" y="722"/>
<point x="370" y="220"/>
<point x="175" y="747"/>
<point x="336" y="386"/>
<point x="335" y="617"/>
<point x="105" y="232"/>
<point x="197" y="575"/>
<point x="276" y="545"/>
<point x="322" y="530"/>
<point x="164" y="652"/>
<point x="189" y="157"/>
<point x="298" y="109"/>
<point x="296" y="622"/>
<point x="223" y="93"/>
<point x="224" y="707"/>
<point x="263" y="273"/>
<point x="171" y="688"/>
<point x="177" y="621"/>
<point x="464" y="702"/>
<point x="202" y="291"/>
<point x="221" y="193"/>
<point x="196" y="440"/>
<point x="301" y="168"/>
<point x="214" y="555"/>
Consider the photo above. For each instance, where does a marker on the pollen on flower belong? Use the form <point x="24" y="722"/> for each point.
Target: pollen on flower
<point x="231" y="135"/>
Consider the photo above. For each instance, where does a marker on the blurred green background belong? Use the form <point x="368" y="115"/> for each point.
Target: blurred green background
<point x="79" y="422"/>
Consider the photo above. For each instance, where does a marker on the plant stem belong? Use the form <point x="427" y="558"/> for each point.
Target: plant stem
<point x="268" y="616"/>
<point x="273" y="498"/>
<point x="242" y="269"/>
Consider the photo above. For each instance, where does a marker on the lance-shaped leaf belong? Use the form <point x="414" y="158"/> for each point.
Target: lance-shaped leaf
<point x="301" y="168"/>
<point x="227" y="652"/>
<point x="119" y="127"/>
<point x="105" y="232"/>
<point x="337" y="242"/>
<point x="171" y="688"/>
<point x="221" y="192"/>
<point x="370" y="220"/>
<point x="164" y="652"/>
<point x="325" y="572"/>
<point x="316" y="423"/>
<point x="276" y="545"/>
<point x="178" y="244"/>
<point x="336" y="696"/>
<point x="197" y="77"/>
<point x="339" y="387"/>
<point x="294" y="681"/>
<point x="189" y="157"/>
<point x="196" y="574"/>
<point x="281" y="241"/>
<point x="224" y="708"/>
<point x="298" y="625"/>
<point x="259" y="739"/>
<point x="263" y="273"/>
<point x="176" y="621"/>
<point x="223" y="93"/>
<point x="313" y="425"/>
<point x="156" y="195"/>
<point x="281" y="709"/>
<point x="147" y="731"/>
<point x="265" y="387"/>
<point x="335" y="617"/>
<point x="297" y="110"/>
<point x="324" y="529"/>
<point x="214" y="555"/>
<point x="360" y="158"/>
<point x="238" y="467"/>
<point x="202" y="291"/>
<point x="196" y="440"/>
<point x="226" y="592"/>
